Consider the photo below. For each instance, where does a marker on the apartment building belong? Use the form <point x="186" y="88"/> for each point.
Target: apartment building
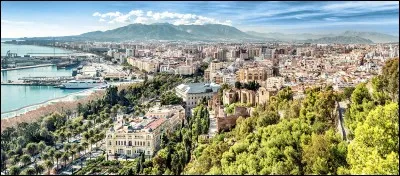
<point x="147" y="64"/>
<point x="258" y="74"/>
<point x="185" y="70"/>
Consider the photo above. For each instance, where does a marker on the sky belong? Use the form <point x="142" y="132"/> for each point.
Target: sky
<point x="51" y="18"/>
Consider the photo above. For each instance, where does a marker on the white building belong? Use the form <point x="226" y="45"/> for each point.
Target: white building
<point x="132" y="135"/>
<point x="185" y="70"/>
<point x="130" y="52"/>
<point x="191" y="93"/>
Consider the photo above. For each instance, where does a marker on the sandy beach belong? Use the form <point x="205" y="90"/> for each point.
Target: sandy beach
<point x="34" y="115"/>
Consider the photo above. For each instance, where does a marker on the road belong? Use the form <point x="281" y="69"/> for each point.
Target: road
<point x="341" y="126"/>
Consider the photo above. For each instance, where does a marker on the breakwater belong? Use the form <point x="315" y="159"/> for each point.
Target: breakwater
<point x="26" y="67"/>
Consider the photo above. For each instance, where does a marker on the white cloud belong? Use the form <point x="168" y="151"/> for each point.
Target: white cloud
<point x="332" y="19"/>
<point x="370" y="5"/>
<point x="96" y="14"/>
<point x="136" y="13"/>
<point x="139" y="16"/>
<point x="141" y="20"/>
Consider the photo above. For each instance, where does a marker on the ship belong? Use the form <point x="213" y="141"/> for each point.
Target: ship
<point x="67" y="65"/>
<point x="82" y="84"/>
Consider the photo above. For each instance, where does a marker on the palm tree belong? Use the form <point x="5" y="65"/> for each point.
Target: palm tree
<point x="45" y="156"/>
<point x="85" y="136"/>
<point x="68" y="113"/>
<point x="80" y="148"/>
<point x="72" y="153"/>
<point x="69" y="135"/>
<point x="92" y="140"/>
<point x="31" y="148"/>
<point x="41" y="146"/>
<point x="91" y="132"/>
<point x="74" y="146"/>
<point x="85" y="145"/>
<point x="51" y="153"/>
<point x="67" y="147"/>
<point x="90" y="123"/>
<point x="26" y="159"/>
<point x="49" y="165"/>
<point x="65" y="157"/>
<point x="29" y="171"/>
<point x="39" y="169"/>
<point x="14" y="170"/>
<point x="102" y="135"/>
<point x="61" y="136"/>
<point x="57" y="155"/>
<point x="97" y="138"/>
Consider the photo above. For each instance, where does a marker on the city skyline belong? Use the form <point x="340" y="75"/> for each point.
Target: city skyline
<point x="74" y="18"/>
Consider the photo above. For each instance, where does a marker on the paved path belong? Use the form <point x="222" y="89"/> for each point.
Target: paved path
<point x="212" y="130"/>
<point x="341" y="126"/>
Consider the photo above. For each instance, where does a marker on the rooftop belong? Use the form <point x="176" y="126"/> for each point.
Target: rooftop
<point x="154" y="124"/>
<point x="198" y="87"/>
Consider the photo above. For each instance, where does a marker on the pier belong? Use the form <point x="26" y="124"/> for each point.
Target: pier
<point x="25" y="67"/>
<point x="40" y="81"/>
<point x="47" y="53"/>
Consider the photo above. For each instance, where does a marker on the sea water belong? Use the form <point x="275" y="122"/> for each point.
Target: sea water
<point x="14" y="96"/>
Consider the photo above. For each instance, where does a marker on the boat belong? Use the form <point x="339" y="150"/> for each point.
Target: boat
<point x="82" y="84"/>
<point x="67" y="65"/>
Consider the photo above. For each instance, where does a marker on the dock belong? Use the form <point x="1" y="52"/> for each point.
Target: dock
<point x="25" y="67"/>
<point x="40" y="81"/>
<point x="28" y="84"/>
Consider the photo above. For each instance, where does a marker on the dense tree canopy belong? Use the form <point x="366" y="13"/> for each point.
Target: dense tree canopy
<point x="375" y="147"/>
<point x="170" y="98"/>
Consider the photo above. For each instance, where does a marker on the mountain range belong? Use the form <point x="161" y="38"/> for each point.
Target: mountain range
<point x="345" y="37"/>
<point x="218" y="32"/>
<point x="166" y="31"/>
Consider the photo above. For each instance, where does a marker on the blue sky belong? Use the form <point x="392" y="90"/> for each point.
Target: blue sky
<point x="36" y="19"/>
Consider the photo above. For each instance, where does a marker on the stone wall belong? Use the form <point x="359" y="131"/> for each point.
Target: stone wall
<point x="225" y="122"/>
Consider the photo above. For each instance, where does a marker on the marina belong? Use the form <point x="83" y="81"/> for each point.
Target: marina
<point x="40" y="81"/>
<point x="25" y="67"/>
<point x="30" y="81"/>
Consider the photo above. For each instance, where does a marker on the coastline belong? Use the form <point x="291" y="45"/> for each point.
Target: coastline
<point x="36" y="114"/>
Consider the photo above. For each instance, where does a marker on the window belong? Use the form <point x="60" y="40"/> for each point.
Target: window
<point x="148" y="143"/>
<point x="124" y="142"/>
<point x="116" y="142"/>
<point x="148" y="152"/>
<point x="130" y="143"/>
<point x="109" y="151"/>
<point x="109" y="143"/>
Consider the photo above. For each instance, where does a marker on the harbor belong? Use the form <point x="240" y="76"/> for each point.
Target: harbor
<point x="27" y="81"/>
<point x="25" y="67"/>
<point x="40" y="81"/>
